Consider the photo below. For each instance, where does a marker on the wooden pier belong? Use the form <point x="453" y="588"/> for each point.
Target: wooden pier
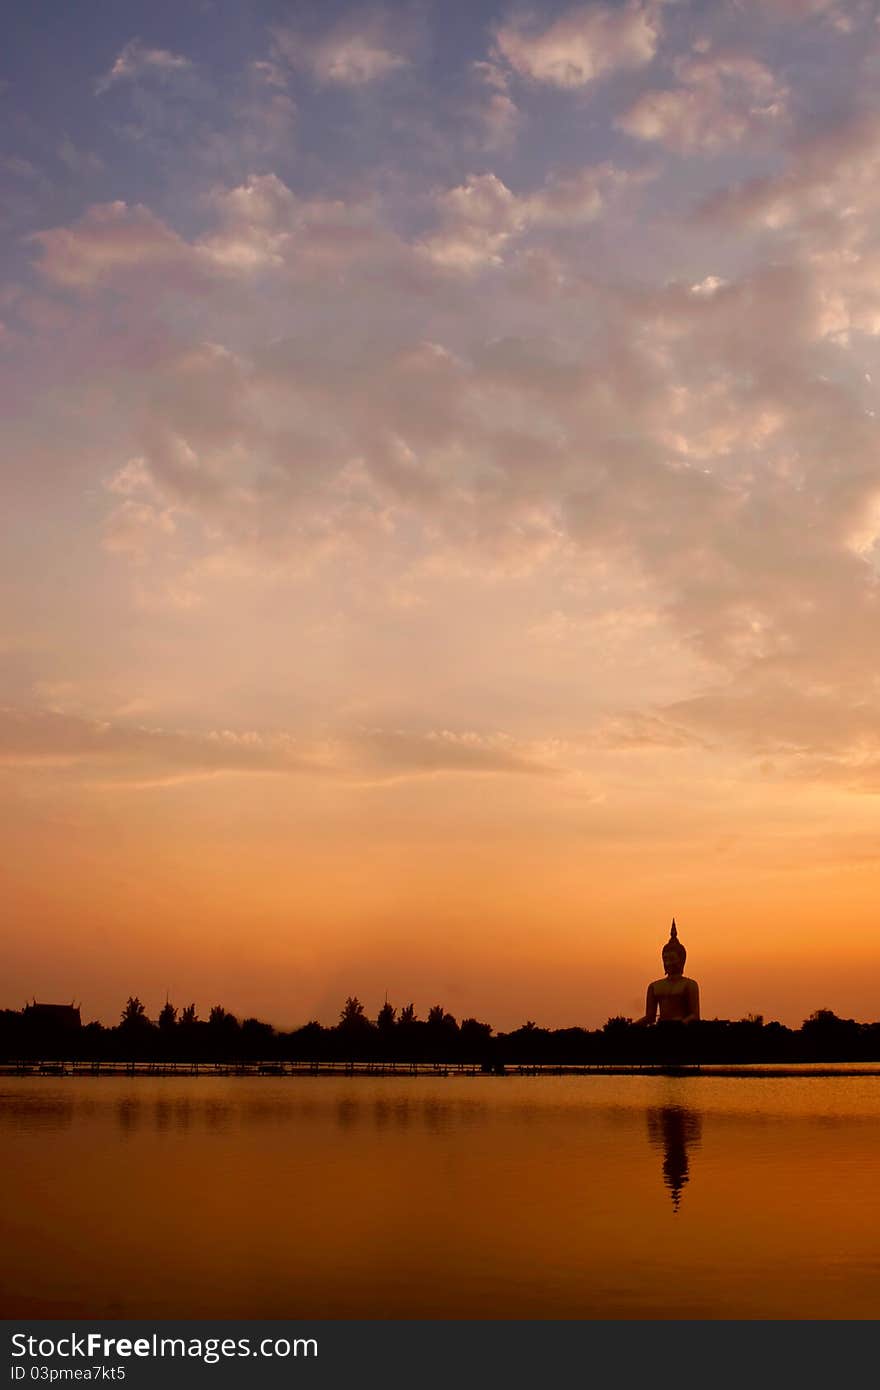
<point x="316" y="1068"/>
<point x="55" y="1068"/>
<point x="238" y="1068"/>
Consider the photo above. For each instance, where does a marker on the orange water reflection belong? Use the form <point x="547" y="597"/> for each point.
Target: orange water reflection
<point x="578" y="1197"/>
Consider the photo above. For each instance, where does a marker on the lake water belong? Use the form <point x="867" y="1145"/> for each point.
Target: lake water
<point x="474" y="1197"/>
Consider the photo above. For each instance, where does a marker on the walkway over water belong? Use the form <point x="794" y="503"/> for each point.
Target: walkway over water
<point x="398" y="1068"/>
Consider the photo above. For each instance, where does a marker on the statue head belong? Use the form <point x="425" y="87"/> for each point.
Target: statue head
<point x="674" y="954"/>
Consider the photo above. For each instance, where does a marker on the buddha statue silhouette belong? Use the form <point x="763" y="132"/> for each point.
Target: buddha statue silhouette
<point x="675" y="998"/>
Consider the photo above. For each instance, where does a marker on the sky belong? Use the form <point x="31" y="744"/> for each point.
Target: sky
<point x="442" y="495"/>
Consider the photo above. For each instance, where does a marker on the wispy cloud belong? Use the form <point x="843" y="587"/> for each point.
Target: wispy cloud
<point x="132" y="754"/>
<point x="358" y="50"/>
<point x="138" y="59"/>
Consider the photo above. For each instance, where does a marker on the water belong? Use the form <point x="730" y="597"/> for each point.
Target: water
<point x="473" y="1197"/>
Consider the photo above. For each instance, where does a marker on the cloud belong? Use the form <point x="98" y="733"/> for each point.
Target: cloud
<point x="133" y="528"/>
<point x="640" y="731"/>
<point x="841" y="16"/>
<point x="112" y="240"/>
<point x="259" y="225"/>
<point x="830" y="177"/>
<point x="823" y="205"/>
<point x="681" y="432"/>
<point x="41" y="737"/>
<point x="139" y="756"/>
<point x="720" y="100"/>
<point x="399" y="753"/>
<point x="193" y="126"/>
<point x="497" y="114"/>
<point x="580" y="46"/>
<point x="478" y="218"/>
<point x="357" y="51"/>
<point x="262" y="225"/>
<point x="82" y="163"/>
<point x="137" y="60"/>
<point x="413" y="381"/>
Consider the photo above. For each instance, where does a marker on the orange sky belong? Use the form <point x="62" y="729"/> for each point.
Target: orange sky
<point x="445" y="514"/>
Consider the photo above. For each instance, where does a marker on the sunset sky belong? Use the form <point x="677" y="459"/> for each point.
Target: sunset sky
<point x="442" y="485"/>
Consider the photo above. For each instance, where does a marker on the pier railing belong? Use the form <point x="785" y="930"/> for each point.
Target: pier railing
<point x="50" y="1067"/>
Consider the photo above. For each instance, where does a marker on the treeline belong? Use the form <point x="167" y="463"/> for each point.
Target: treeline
<point x="400" y="1035"/>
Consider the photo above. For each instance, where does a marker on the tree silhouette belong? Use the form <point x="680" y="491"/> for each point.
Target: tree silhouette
<point x="258" y="1038"/>
<point x="167" y="1017"/>
<point x="352" y="1014"/>
<point x="439" y="1018"/>
<point x="188" y="1016"/>
<point x="134" y="1015"/>
<point x="823" y="1018"/>
<point x="222" y="1021"/>
<point x="474" y="1036"/>
<point x="617" y="1024"/>
<point x="385" y="1018"/>
<point x="407" y="1015"/>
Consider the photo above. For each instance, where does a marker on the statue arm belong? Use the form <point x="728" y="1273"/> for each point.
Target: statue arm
<point x="650" y="1007"/>
<point x="693" y="1003"/>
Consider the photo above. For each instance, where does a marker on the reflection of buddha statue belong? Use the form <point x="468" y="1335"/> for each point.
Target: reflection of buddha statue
<point x="675" y="998"/>
<point x="674" y="1129"/>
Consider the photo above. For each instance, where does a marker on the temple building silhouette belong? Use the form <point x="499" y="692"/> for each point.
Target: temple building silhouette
<point x="58" y="1017"/>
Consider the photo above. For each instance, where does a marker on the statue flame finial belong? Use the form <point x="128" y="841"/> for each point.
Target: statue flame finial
<point x="675" y="947"/>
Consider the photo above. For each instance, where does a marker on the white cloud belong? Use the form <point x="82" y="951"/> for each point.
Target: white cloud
<point x="111" y="239"/>
<point x="720" y="99"/>
<point x="477" y="219"/>
<point x="581" y="45"/>
<point x="710" y="284"/>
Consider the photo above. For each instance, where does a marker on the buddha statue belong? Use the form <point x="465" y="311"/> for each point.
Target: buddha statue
<point x="675" y="997"/>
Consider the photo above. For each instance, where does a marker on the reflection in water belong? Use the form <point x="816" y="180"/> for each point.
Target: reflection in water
<point x="674" y="1128"/>
<point x="274" y="1197"/>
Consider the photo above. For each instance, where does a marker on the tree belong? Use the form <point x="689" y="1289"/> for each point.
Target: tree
<point x="352" y="1013"/>
<point x="616" y="1024"/>
<point x="823" y="1018"/>
<point x="407" y="1015"/>
<point x="258" y="1038"/>
<point x="474" y="1034"/>
<point x="386" y="1017"/>
<point x="134" y="1015"/>
<point x="188" y="1016"/>
<point x="167" y="1016"/>
<point x="439" y="1018"/>
<point x="221" y="1018"/>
